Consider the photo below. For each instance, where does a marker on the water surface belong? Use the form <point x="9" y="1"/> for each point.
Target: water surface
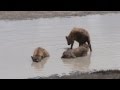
<point x="19" y="38"/>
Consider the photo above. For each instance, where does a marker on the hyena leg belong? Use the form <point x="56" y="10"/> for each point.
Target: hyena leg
<point x="89" y="45"/>
<point x="72" y="45"/>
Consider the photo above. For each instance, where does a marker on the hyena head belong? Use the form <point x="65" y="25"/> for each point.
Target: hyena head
<point x="69" y="40"/>
<point x="37" y="58"/>
<point x="68" y="54"/>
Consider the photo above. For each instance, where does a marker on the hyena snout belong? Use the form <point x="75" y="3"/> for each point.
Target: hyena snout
<point x="36" y="59"/>
<point x="69" y="41"/>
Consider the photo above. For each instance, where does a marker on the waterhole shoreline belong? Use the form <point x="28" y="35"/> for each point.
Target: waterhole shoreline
<point x="108" y="74"/>
<point x="27" y="15"/>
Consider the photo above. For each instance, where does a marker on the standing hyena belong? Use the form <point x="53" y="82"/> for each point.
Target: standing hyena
<point x="80" y="35"/>
<point x="39" y="54"/>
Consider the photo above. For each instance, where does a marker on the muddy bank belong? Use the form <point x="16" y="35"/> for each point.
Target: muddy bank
<point x="110" y="74"/>
<point x="20" y="15"/>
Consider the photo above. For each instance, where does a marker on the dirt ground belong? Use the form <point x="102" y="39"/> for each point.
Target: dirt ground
<point x="20" y="15"/>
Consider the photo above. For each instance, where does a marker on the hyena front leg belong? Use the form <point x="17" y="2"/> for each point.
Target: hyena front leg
<point x="72" y="44"/>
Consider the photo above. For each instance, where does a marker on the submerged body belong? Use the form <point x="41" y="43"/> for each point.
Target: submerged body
<point x="39" y="54"/>
<point x="77" y="52"/>
<point x="80" y="35"/>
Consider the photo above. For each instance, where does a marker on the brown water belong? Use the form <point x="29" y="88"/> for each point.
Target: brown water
<point x="19" y="38"/>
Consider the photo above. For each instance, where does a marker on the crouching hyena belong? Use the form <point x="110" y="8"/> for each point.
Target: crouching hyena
<point x="77" y="52"/>
<point x="80" y="35"/>
<point x="39" y="54"/>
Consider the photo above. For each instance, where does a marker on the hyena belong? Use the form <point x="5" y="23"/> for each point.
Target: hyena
<point x="77" y="52"/>
<point x="80" y="35"/>
<point x="39" y="54"/>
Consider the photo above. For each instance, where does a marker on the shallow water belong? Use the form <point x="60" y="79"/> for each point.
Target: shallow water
<point x="19" y="38"/>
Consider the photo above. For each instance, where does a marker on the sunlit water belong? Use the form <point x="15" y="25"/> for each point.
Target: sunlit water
<point x="19" y="38"/>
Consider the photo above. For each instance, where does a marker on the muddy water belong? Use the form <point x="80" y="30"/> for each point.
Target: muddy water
<point x="19" y="38"/>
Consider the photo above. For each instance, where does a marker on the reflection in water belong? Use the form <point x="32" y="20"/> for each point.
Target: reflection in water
<point x="40" y="65"/>
<point x="80" y="63"/>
